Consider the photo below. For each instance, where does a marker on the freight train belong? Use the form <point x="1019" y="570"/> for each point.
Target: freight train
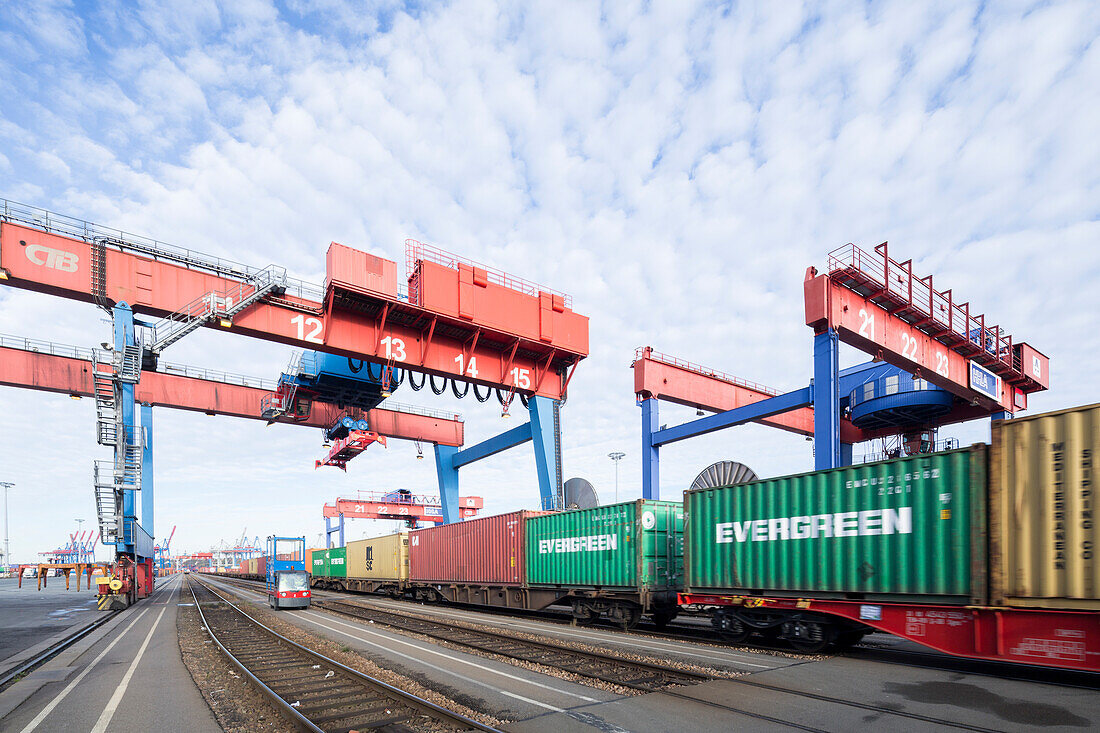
<point x="985" y="552"/>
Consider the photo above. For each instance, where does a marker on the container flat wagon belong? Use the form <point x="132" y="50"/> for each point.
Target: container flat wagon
<point x="375" y="565"/>
<point x="983" y="552"/>
<point x="621" y="561"/>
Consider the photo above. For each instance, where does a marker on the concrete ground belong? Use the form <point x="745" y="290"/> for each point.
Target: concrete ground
<point x="777" y="693"/>
<point x="487" y="685"/>
<point x="30" y="618"/>
<point x="127" y="677"/>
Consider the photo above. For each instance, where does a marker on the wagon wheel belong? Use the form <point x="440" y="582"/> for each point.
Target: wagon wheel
<point x="625" y="617"/>
<point x="583" y="614"/>
<point x="732" y="629"/>
<point x="812" y="636"/>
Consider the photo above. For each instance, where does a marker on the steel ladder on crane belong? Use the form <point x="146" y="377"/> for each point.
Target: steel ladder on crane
<point x="110" y="478"/>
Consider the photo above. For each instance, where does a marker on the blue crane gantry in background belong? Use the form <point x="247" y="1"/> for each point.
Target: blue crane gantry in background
<point x="934" y="364"/>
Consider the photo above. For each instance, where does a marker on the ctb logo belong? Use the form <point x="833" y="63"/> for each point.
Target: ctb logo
<point x="58" y="259"/>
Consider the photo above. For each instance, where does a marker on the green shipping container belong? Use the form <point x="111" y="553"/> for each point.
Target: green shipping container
<point x="903" y="529"/>
<point x="336" y="563"/>
<point x="639" y="544"/>
<point x="318" y="567"/>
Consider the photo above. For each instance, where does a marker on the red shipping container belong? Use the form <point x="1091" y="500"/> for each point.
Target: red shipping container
<point x="484" y="550"/>
<point x="261" y="566"/>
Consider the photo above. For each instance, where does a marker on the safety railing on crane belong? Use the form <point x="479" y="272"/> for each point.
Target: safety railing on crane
<point x="644" y="352"/>
<point x="415" y="250"/>
<point x="853" y="265"/>
<point x="68" y="226"/>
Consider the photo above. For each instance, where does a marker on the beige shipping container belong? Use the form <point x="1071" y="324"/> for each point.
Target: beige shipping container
<point x="380" y="558"/>
<point x="1042" y="500"/>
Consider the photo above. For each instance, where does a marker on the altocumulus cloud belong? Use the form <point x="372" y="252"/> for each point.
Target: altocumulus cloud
<point x="674" y="166"/>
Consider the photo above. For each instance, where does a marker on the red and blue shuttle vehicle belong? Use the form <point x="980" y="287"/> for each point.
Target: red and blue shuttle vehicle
<point x="287" y="579"/>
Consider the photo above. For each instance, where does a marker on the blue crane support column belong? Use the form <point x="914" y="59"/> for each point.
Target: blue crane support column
<point x="651" y="456"/>
<point x="330" y="530"/>
<point x="124" y="336"/>
<point x="447" y="473"/>
<point x="827" y="449"/>
<point x="147" y="469"/>
<point x="545" y="436"/>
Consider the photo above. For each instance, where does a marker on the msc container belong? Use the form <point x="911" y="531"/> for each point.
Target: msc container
<point x="336" y="563"/>
<point x="1043" y="500"/>
<point x="906" y="529"/>
<point x="486" y="550"/>
<point x="379" y="558"/>
<point x="636" y="545"/>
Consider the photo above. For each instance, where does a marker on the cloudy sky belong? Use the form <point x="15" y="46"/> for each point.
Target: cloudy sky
<point x="675" y="166"/>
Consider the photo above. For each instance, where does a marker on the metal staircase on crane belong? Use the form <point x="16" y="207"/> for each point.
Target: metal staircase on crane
<point x="217" y="304"/>
<point x="110" y="478"/>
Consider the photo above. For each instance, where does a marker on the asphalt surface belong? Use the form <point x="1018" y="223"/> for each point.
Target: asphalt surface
<point x="30" y="617"/>
<point x="126" y="677"/>
<point x="498" y="688"/>
<point x="775" y="692"/>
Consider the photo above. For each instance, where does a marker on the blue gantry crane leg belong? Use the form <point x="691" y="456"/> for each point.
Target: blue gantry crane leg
<point x="147" y="469"/>
<point x="335" y="529"/>
<point x="826" y="400"/>
<point x="651" y="452"/>
<point x="542" y="430"/>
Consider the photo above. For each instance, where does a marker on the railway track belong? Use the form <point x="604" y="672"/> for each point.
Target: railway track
<point x="637" y="675"/>
<point x="317" y="693"/>
<point x="699" y="634"/>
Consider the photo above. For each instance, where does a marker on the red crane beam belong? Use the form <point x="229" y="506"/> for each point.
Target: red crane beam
<point x="73" y="376"/>
<point x="671" y="380"/>
<point x="359" y="509"/>
<point x="874" y="329"/>
<point x="461" y="320"/>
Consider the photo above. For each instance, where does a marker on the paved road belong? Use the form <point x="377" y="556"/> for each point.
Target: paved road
<point x="777" y="693"/>
<point x="30" y="617"/>
<point x="487" y="685"/>
<point x="128" y="677"/>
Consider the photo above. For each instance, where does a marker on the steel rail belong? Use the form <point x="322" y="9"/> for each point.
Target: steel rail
<point x="375" y="687"/>
<point x="53" y="650"/>
<point x="650" y="676"/>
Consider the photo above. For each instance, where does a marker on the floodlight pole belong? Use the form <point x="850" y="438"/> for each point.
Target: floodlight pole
<point x="616" y="456"/>
<point x="7" y="544"/>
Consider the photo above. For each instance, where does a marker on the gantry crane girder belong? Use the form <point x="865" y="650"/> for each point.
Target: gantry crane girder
<point x="459" y="320"/>
<point x="68" y="373"/>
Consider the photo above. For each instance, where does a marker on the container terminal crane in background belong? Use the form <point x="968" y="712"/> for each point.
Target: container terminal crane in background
<point x="934" y="363"/>
<point x="162" y="558"/>
<point x="401" y="505"/>
<point x="470" y="327"/>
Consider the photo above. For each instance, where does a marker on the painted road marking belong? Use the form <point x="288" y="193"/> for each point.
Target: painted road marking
<point x="593" y="636"/>
<point x="442" y="669"/>
<point x="112" y="705"/>
<point x="69" y="688"/>
<point x="467" y="680"/>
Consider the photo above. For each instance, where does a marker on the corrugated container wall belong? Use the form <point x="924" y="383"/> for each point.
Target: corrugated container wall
<point x="639" y="544"/>
<point x="484" y="550"/>
<point x="320" y="563"/>
<point x="309" y="558"/>
<point x="901" y="529"/>
<point x="379" y="558"/>
<point x="336" y="562"/>
<point x="261" y="567"/>
<point x="1043" y="522"/>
